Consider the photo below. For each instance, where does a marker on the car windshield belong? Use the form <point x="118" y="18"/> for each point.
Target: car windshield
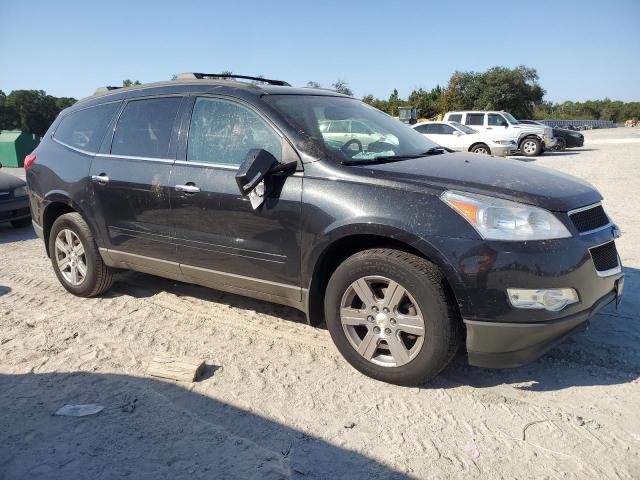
<point x="463" y="128"/>
<point x="510" y="118"/>
<point x="350" y="130"/>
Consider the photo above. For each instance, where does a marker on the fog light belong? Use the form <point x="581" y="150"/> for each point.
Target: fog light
<point x="553" y="299"/>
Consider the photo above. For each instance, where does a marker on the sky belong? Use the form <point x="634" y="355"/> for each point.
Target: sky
<point x="581" y="49"/>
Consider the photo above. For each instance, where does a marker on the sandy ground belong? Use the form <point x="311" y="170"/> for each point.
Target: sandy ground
<point x="278" y="401"/>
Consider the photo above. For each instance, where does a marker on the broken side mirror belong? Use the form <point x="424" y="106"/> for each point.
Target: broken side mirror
<point x="256" y="166"/>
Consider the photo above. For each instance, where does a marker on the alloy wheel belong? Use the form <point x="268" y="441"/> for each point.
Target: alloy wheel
<point x="70" y="257"/>
<point x="382" y="321"/>
<point x="529" y="147"/>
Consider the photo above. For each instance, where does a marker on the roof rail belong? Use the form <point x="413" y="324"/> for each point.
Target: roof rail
<point x="224" y="75"/>
<point x="104" y="89"/>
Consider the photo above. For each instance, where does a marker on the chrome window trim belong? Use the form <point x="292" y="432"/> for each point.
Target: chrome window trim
<point x="85" y="152"/>
<point x="611" y="271"/>
<point x="223" y="166"/>
<point x="589" y="207"/>
<point x="128" y="157"/>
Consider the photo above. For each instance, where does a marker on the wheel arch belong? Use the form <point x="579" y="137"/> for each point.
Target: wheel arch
<point x="342" y="246"/>
<point x="525" y="136"/>
<point x="59" y="203"/>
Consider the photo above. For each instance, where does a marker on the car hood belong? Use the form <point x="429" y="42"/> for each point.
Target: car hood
<point x="508" y="179"/>
<point x="9" y="182"/>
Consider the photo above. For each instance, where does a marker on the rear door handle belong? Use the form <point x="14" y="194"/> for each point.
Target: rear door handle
<point x="101" y="179"/>
<point x="187" y="188"/>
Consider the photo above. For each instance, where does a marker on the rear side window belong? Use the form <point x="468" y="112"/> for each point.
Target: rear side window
<point x="84" y="129"/>
<point x="144" y="128"/>
<point x="456" y="117"/>
<point x="422" y="128"/>
<point x="475" y="119"/>
<point x="223" y="132"/>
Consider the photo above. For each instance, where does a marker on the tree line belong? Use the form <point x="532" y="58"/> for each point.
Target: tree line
<point x="515" y="90"/>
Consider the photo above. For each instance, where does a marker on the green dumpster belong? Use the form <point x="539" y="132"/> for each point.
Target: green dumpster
<point x="15" y="145"/>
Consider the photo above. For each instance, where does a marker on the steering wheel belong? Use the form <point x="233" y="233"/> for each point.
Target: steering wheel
<point x="346" y="148"/>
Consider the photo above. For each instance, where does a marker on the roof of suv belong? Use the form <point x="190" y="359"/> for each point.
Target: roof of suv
<point x="476" y="111"/>
<point x="261" y="89"/>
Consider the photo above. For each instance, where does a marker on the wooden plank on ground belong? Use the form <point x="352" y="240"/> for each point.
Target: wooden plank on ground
<point x="183" y="369"/>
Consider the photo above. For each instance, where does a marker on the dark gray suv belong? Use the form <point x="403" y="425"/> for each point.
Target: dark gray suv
<point x="398" y="245"/>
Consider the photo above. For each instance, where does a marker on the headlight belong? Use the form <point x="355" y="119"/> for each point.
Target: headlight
<point x="20" y="191"/>
<point x="497" y="219"/>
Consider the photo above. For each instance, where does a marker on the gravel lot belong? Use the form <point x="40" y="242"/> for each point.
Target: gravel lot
<point x="279" y="402"/>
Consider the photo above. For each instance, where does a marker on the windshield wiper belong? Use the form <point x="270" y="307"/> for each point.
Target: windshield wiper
<point x="396" y="158"/>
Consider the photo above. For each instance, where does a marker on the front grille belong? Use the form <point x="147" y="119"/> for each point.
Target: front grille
<point x="589" y="219"/>
<point x="605" y="257"/>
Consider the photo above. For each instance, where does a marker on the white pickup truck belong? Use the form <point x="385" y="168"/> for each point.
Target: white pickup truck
<point x="531" y="140"/>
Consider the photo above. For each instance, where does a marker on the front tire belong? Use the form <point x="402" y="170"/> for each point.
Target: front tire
<point x="75" y="257"/>
<point x="531" y="147"/>
<point x="389" y="315"/>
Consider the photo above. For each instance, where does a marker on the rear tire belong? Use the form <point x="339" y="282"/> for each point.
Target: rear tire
<point x="75" y="257"/>
<point x="531" y="147"/>
<point x="420" y="316"/>
<point x="21" y="223"/>
<point x="481" y="148"/>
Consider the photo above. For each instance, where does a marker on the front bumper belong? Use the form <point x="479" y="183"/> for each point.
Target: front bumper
<point x="503" y="345"/>
<point x="14" y="208"/>
<point x="500" y="335"/>
<point x="573" y="142"/>
<point x="503" y="150"/>
<point x="550" y="142"/>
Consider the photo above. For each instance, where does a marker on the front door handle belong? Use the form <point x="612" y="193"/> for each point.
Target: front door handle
<point x="102" y="179"/>
<point x="188" y="188"/>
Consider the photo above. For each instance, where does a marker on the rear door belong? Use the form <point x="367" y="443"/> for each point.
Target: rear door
<point x="476" y="121"/>
<point x="130" y="183"/>
<point x="222" y="241"/>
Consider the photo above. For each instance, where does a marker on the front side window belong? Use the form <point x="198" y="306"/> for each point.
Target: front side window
<point x="475" y="119"/>
<point x="359" y="127"/>
<point x="446" y="129"/>
<point x="496" y="120"/>
<point x="223" y="132"/>
<point x="144" y="128"/>
<point x="464" y="128"/>
<point x="456" y="117"/>
<point x="85" y="129"/>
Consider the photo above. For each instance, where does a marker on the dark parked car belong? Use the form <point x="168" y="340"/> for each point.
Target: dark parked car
<point x="567" y="138"/>
<point x="14" y="201"/>
<point x="399" y="247"/>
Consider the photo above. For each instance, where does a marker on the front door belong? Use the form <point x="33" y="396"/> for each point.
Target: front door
<point x="222" y="241"/>
<point x="131" y="185"/>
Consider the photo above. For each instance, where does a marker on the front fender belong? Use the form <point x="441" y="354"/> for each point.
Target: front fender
<point x="382" y="228"/>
